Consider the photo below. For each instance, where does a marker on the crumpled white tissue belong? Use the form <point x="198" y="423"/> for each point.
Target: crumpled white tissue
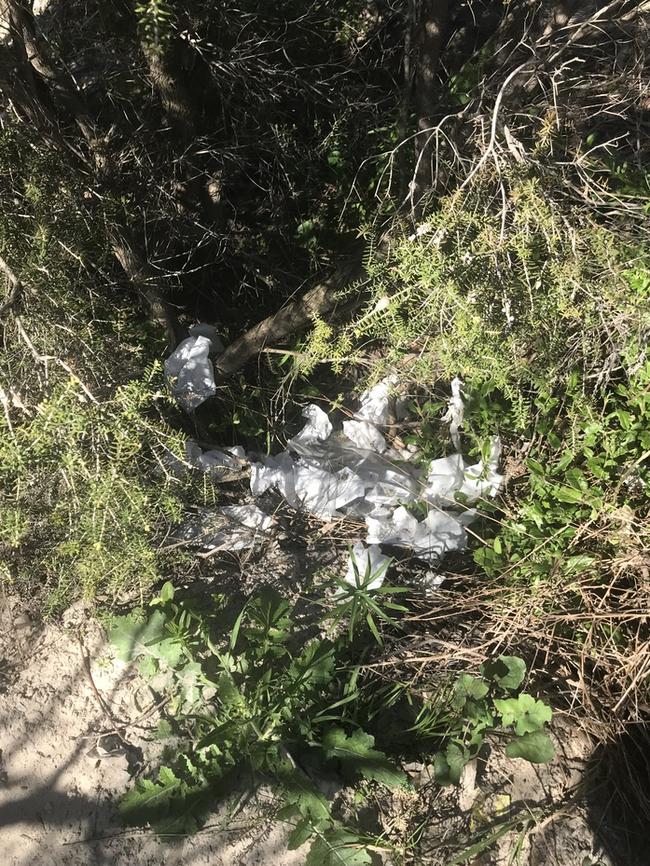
<point x="365" y="563"/>
<point x="317" y="429"/>
<point x="190" y="374"/>
<point x="365" y="435"/>
<point x="275" y="472"/>
<point x="248" y="515"/>
<point x="444" y="478"/>
<point x="374" y="411"/>
<point x="455" y="413"/>
<point x="482" y="479"/>
<point x="216" y="459"/>
<point x="322" y="492"/>
<point x="375" y="402"/>
<point x="245" y="526"/>
<point x="439" y="533"/>
<point x="333" y="476"/>
<point x="202" y="329"/>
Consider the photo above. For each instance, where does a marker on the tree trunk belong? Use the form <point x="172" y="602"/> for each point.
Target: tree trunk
<point x="168" y="81"/>
<point x="434" y="16"/>
<point x="41" y="90"/>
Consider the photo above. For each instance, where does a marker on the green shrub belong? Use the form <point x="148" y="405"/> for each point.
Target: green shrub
<point x="585" y="466"/>
<point x="506" y="287"/>
<point x="85" y="494"/>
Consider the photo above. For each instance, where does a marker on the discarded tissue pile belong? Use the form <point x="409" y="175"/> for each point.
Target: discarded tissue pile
<point x="349" y="473"/>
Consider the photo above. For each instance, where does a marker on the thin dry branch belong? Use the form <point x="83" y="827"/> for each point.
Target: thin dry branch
<point x="15" y="288"/>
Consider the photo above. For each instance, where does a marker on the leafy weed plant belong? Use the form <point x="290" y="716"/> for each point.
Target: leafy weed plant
<point x="252" y="691"/>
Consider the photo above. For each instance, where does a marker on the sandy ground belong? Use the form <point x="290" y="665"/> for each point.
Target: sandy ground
<point x="61" y="770"/>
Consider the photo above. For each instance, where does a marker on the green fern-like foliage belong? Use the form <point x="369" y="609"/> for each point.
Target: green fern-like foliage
<point x="155" y="18"/>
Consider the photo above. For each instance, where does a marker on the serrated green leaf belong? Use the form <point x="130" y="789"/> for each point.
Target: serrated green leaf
<point x="535" y="747"/>
<point x="315" y="665"/>
<point x="188" y="811"/>
<point x="356" y="754"/>
<point x="338" y="848"/>
<point x="506" y="671"/>
<point x="523" y="712"/>
<point x="150" y="801"/>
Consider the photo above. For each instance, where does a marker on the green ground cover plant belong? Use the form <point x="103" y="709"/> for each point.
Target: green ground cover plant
<point x="255" y="691"/>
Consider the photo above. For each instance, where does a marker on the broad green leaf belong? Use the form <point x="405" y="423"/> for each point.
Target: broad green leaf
<point x="356" y="754"/>
<point x="524" y="713"/>
<point x="468" y="687"/>
<point x="579" y="563"/>
<point x="299" y="835"/>
<point x="298" y="791"/>
<point x="535" y="747"/>
<point x="227" y="691"/>
<point x="506" y="671"/>
<point x="448" y="765"/>
<point x="338" y="848"/>
<point x="568" y="494"/>
<point x="133" y="636"/>
<point x="189" y="678"/>
<point x="170" y="650"/>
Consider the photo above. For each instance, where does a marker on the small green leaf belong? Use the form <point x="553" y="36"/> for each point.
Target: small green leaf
<point x="506" y="671"/>
<point x="163" y="730"/>
<point x="535" y="747"/>
<point x="356" y="754"/>
<point x="524" y="713"/>
<point x="167" y="592"/>
<point x="338" y="848"/>
<point x="468" y="687"/>
<point x="448" y="765"/>
<point x="456" y="759"/>
<point x="235" y="629"/>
